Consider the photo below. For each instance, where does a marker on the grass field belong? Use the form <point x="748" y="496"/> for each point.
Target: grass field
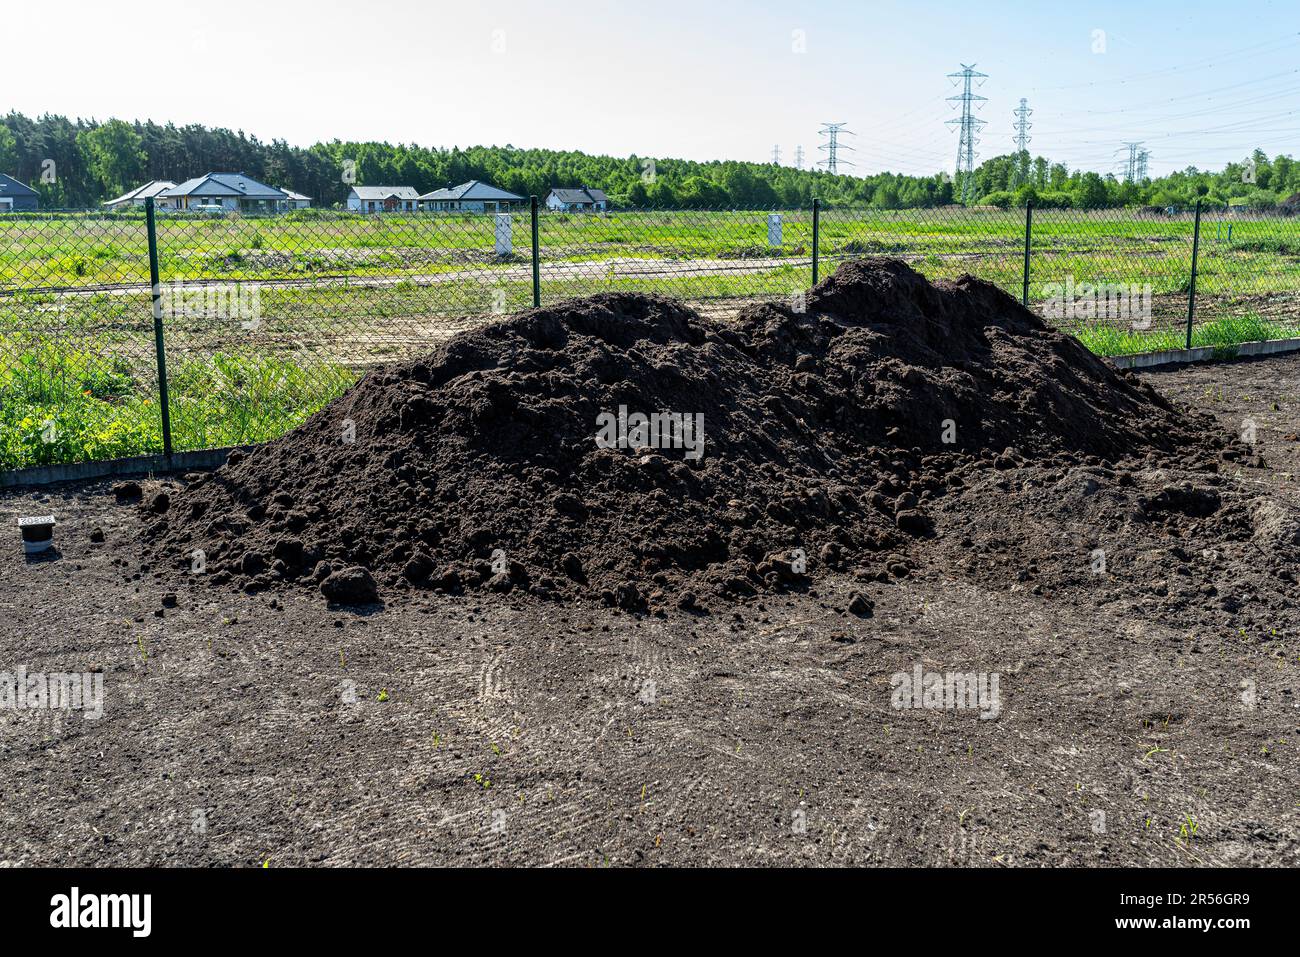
<point x="1229" y="331"/>
<point x="333" y="293"/>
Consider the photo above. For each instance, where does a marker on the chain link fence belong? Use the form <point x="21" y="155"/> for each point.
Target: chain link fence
<point x="263" y="319"/>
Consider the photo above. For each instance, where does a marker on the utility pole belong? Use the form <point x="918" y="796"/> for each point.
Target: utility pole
<point x="833" y="145"/>
<point x="1143" y="156"/>
<point x="798" y="157"/>
<point x="776" y="155"/>
<point x="970" y="126"/>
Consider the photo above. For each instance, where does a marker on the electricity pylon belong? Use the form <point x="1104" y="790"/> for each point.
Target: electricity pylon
<point x="970" y="126"/>
<point x="833" y="146"/>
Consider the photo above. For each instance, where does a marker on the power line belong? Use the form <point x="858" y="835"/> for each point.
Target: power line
<point x="1145" y="105"/>
<point x="833" y="145"/>
<point x="970" y="126"/>
<point x="1234" y="108"/>
<point x="1255" y="50"/>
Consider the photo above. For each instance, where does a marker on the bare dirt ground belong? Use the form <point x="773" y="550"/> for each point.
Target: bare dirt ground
<point x="240" y="729"/>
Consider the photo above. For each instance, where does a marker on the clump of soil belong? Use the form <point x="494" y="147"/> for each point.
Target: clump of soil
<point x="830" y="435"/>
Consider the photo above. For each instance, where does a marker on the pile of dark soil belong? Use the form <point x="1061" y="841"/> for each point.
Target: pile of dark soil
<point x="830" y="434"/>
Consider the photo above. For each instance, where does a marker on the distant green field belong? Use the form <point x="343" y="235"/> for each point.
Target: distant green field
<point x="95" y="249"/>
<point x="333" y="293"/>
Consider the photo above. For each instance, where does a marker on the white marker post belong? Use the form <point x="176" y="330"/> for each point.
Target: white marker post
<point x="503" y="234"/>
<point x="774" y="230"/>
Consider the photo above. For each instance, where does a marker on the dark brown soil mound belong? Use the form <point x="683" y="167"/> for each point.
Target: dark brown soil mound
<point x="828" y="434"/>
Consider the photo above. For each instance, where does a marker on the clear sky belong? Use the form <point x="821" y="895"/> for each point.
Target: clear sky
<point x="1200" y="83"/>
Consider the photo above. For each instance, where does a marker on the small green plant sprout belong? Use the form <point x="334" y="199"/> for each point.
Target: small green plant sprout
<point x="496" y="748"/>
<point x="437" y="739"/>
<point x="482" y="780"/>
<point x="961" y="817"/>
<point x="1156" y="750"/>
<point x="144" y="652"/>
<point x="343" y="661"/>
<point x="383" y="695"/>
<point x="1187" y="830"/>
<point x="266" y="864"/>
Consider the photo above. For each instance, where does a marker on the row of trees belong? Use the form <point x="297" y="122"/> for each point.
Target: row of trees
<point x="1256" y="181"/>
<point x="94" y="161"/>
<point x="81" y="163"/>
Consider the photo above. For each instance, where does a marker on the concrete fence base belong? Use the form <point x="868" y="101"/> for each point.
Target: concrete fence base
<point x="135" y="465"/>
<point x="1149" y="360"/>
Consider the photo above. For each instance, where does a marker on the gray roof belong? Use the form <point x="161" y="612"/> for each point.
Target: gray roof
<point x="292" y="195"/>
<point x="151" y="188"/>
<point x="579" y="194"/>
<point x="11" y="187"/>
<point x="473" y="190"/>
<point x="217" y="185"/>
<point x="386" y="192"/>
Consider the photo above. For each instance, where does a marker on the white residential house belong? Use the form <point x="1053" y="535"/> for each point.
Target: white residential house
<point x="383" y="199"/>
<point x="137" y="196"/>
<point x="472" y="197"/>
<point x="295" y="200"/>
<point x="582" y="199"/>
<point x="224" y="192"/>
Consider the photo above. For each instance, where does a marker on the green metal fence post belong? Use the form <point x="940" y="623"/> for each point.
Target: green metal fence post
<point x="1029" y="233"/>
<point x="160" y="350"/>
<point x="817" y="209"/>
<point x="537" y="266"/>
<point x="1191" y="292"/>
